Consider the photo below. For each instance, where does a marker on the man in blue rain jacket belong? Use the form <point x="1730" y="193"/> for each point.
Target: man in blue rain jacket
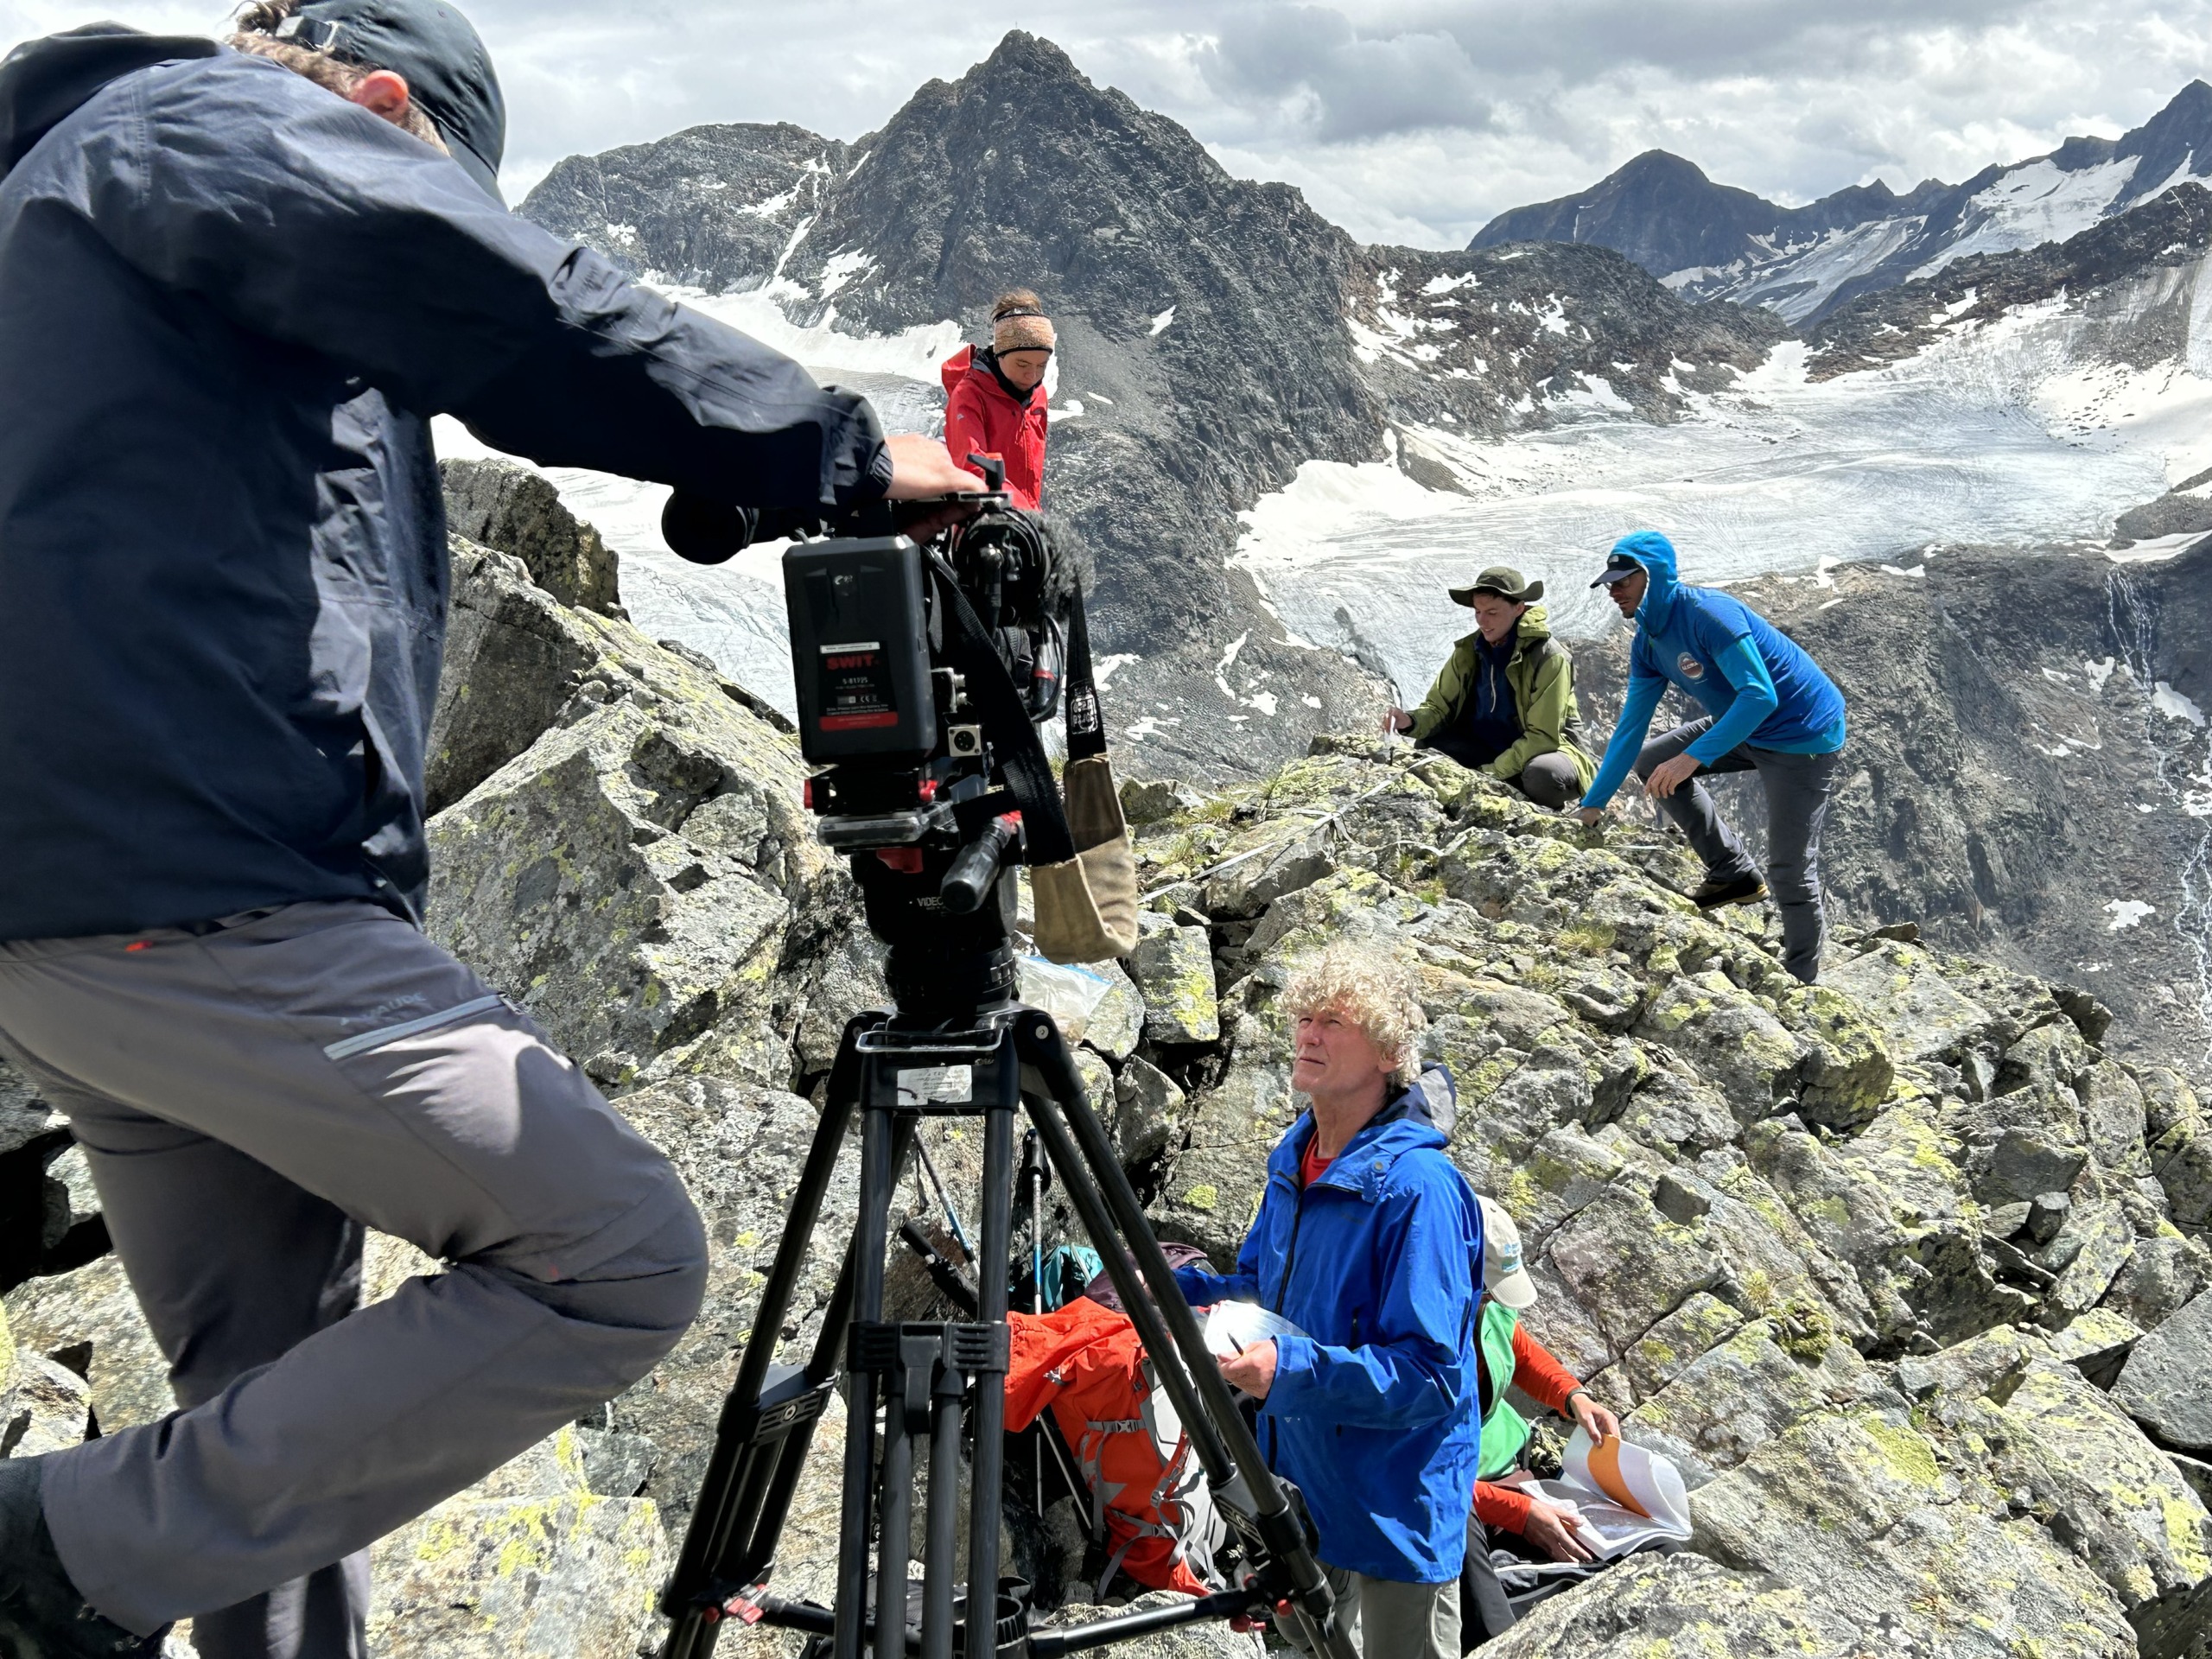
<point x="1370" y="1242"/>
<point x="1769" y="709"/>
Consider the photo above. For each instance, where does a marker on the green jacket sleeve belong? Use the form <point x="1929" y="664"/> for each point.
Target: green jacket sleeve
<point x="1441" y="706"/>
<point x="1543" y="716"/>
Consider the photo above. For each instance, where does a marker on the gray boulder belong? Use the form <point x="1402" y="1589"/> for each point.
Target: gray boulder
<point x="89" y="1321"/>
<point x="2167" y="1384"/>
<point x="2122" y="1505"/>
<point x="515" y="509"/>
<point x="1173" y="967"/>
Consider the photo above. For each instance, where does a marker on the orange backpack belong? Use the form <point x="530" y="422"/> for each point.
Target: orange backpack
<point x="1084" y="1363"/>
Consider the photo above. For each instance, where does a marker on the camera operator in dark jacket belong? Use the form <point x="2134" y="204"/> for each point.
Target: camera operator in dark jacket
<point x="235" y="283"/>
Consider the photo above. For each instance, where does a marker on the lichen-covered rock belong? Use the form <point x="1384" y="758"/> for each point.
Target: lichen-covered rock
<point x="501" y="504"/>
<point x="1628" y="1265"/>
<point x="1922" y="1014"/>
<point x="1173" y="969"/>
<point x="89" y="1321"/>
<point x="1211" y="1189"/>
<point x="2167" y="1384"/>
<point x="2112" y="1104"/>
<point x="2089" y="1251"/>
<point x="1652" y="1605"/>
<point x="1847" y="1070"/>
<point x="570" y="1576"/>
<point x="2122" y="1505"/>
<point x="43" y="1406"/>
<point x="2180" y="1146"/>
<point x="1771" y="1374"/>
<point x="1861" y="1512"/>
<point x="1729" y="1038"/>
<point x="1693" y="1330"/>
<point x="628" y="880"/>
<point x="2097" y="1343"/>
<point x="2158" y="1280"/>
<point x="513" y="658"/>
<point x="1147" y="1110"/>
<point x="738" y="1151"/>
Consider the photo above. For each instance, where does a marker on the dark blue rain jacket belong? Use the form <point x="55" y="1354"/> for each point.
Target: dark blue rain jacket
<point x="230" y="301"/>
<point x="1374" y="1412"/>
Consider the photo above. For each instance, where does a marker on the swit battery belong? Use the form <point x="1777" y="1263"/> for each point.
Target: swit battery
<point x="859" y="650"/>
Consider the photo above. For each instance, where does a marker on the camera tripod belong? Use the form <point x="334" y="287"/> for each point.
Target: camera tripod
<point x="961" y="1045"/>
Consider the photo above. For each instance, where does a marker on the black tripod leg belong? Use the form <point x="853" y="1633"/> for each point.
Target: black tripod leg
<point x="731" y="1494"/>
<point x="990" y="1399"/>
<point x="870" y="1236"/>
<point x="943" y="1519"/>
<point x="1200" y="1394"/>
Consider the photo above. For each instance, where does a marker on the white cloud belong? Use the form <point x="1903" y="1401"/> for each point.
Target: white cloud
<point x="1406" y="120"/>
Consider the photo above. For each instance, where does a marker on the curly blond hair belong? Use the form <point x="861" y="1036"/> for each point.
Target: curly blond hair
<point x="255" y="34"/>
<point x="1367" y="986"/>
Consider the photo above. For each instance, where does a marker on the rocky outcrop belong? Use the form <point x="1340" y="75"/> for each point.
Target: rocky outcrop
<point x="1899" y="1270"/>
<point x="512" y="509"/>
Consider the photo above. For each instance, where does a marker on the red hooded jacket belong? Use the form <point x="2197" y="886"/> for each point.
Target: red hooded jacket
<point x="981" y="418"/>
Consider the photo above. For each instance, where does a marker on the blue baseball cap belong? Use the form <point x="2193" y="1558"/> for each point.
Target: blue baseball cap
<point x="439" y="52"/>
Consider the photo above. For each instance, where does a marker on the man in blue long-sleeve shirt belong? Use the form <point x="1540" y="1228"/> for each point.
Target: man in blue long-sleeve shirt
<point x="1770" y="709"/>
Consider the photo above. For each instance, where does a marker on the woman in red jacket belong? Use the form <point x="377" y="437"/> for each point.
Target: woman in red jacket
<point x="995" y="397"/>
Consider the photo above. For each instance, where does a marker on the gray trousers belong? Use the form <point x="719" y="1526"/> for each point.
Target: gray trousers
<point x="1548" y="780"/>
<point x="250" y="1098"/>
<point x="1391" y="1620"/>
<point x="1797" y="788"/>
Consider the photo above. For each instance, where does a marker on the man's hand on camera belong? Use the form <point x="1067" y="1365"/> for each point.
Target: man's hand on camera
<point x="1252" y="1370"/>
<point x="920" y="469"/>
<point x="1548" y="1530"/>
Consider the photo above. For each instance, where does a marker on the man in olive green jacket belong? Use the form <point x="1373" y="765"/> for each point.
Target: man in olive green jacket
<point x="1504" y="703"/>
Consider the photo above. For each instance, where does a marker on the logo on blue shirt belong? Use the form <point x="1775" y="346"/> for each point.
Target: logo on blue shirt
<point x="1692" y="669"/>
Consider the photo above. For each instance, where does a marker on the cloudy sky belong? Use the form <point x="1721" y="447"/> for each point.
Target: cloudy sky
<point x="1404" y="120"/>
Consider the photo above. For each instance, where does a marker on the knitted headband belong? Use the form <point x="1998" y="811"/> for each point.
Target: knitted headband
<point x="1023" y="331"/>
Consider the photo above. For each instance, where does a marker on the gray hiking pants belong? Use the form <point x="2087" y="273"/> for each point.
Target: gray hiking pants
<point x="1548" y="780"/>
<point x="1797" y="788"/>
<point x="1391" y="1620"/>
<point x="250" y="1098"/>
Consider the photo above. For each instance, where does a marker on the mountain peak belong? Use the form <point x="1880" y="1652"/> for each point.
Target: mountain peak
<point x="1020" y="52"/>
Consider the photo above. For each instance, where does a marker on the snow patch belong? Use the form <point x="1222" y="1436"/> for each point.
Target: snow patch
<point x="2034" y="204"/>
<point x="2126" y="912"/>
<point x="2099" y="670"/>
<point x="2174" y="706"/>
<point x="1160" y="323"/>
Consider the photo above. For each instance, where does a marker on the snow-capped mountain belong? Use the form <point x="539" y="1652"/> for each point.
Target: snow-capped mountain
<point x="1708" y="241"/>
<point x="1216" y="335"/>
<point x="1278" y="447"/>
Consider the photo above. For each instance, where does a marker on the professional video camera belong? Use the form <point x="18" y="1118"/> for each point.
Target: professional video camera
<point x="924" y="668"/>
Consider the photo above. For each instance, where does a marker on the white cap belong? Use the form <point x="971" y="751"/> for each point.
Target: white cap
<point x="1504" y="1277"/>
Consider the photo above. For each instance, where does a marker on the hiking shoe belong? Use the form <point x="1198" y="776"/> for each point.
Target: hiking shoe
<point x="42" y="1615"/>
<point x="1729" y="890"/>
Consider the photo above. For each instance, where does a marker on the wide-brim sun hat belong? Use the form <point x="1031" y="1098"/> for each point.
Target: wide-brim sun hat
<point x="1502" y="581"/>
